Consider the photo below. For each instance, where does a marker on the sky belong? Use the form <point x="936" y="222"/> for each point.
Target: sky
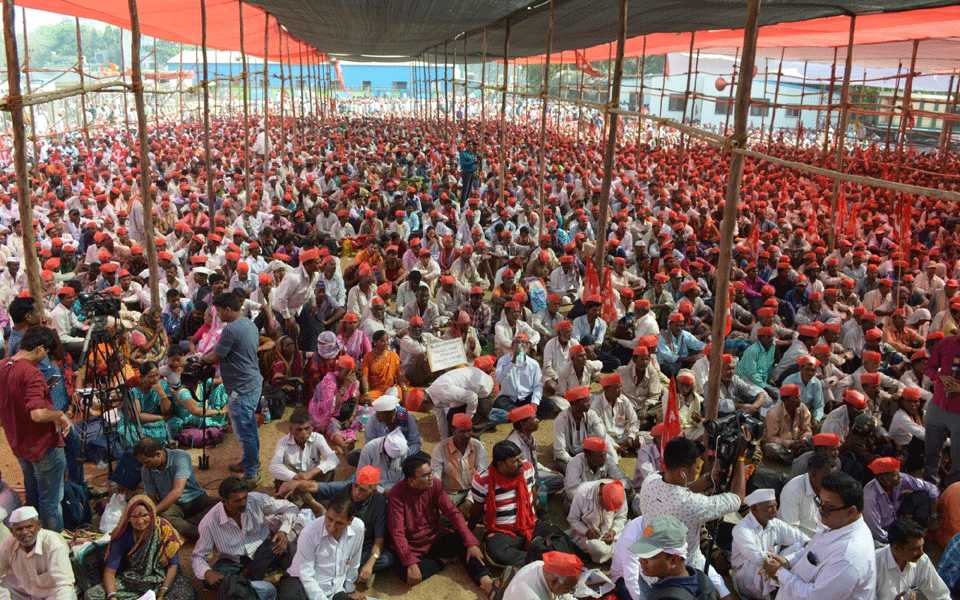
<point x="37" y="18"/>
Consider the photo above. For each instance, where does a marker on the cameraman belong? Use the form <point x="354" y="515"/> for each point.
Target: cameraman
<point x="236" y="353"/>
<point x="677" y="491"/>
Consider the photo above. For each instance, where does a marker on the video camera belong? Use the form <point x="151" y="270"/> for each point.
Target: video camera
<point x="97" y="304"/>
<point x="196" y="371"/>
<point x="727" y="437"/>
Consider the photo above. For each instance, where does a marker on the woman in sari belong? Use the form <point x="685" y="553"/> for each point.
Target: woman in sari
<point x="151" y="401"/>
<point x="381" y="370"/>
<point x="323" y="361"/>
<point x="187" y="412"/>
<point x="154" y="345"/>
<point x="353" y="339"/>
<point x="333" y="408"/>
<point x="288" y="365"/>
<point x="142" y="556"/>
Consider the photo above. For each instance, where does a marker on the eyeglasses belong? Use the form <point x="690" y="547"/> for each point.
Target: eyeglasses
<point x="827" y="511"/>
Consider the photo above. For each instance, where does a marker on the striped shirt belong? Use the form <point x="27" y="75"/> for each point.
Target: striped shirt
<point x="506" y="500"/>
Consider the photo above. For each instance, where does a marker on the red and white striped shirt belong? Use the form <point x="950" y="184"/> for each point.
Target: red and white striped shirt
<point x="506" y="500"/>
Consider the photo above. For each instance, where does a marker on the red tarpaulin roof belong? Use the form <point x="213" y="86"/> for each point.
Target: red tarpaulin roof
<point x="180" y="21"/>
<point x="889" y="36"/>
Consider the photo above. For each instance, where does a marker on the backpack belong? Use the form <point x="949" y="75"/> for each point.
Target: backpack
<point x="670" y="592"/>
<point x="236" y="586"/>
<point x="275" y="400"/>
<point x="95" y="441"/>
<point x="196" y="437"/>
<point x="555" y="540"/>
<point x="75" y="506"/>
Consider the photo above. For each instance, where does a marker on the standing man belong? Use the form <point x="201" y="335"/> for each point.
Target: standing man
<point x="295" y="292"/>
<point x="942" y="417"/>
<point x="236" y="353"/>
<point x="34" y="562"/>
<point x="33" y="428"/>
<point x="468" y="170"/>
<point x="839" y="562"/>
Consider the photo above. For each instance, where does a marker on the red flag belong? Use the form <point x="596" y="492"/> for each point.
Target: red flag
<point x="671" y="417"/>
<point x="584" y="66"/>
<point x="841" y="212"/>
<point x="609" y="309"/>
<point x="119" y="152"/>
<point x="906" y="220"/>
<point x="340" y="76"/>
<point x="753" y="242"/>
<point x="591" y="281"/>
<point x="728" y="323"/>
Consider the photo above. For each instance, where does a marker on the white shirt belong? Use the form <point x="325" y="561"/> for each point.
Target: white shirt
<point x="64" y="321"/>
<point x="661" y="498"/>
<point x="625" y="563"/>
<point x="619" y="420"/>
<point x="555" y="357"/>
<point x="846" y="566"/>
<point x="325" y="565"/>
<point x="751" y="543"/>
<point x="797" y="507"/>
<point x="294" y="292"/>
<point x="921" y="575"/>
<point x="504" y="335"/>
<point x="461" y="387"/>
<point x="529" y="584"/>
<point x="903" y="428"/>
<point x="289" y="458"/>
<point x="568" y="436"/>
<point x="44" y="572"/>
<point x="217" y="530"/>
<point x="586" y="512"/>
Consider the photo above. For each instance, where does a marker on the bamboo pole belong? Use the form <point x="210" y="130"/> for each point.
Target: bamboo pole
<point x="543" y="123"/>
<point x="83" y="98"/>
<point x="826" y="125"/>
<point x="733" y="87"/>
<point x="211" y="202"/>
<point x="293" y="101"/>
<point x="126" y="107"/>
<point x="245" y="130"/>
<point x="180" y="82"/>
<point x="146" y="193"/>
<point x="943" y="130"/>
<point x="503" y="108"/>
<point x="642" y="76"/>
<point x="449" y="75"/>
<point x="841" y="134"/>
<point x="266" y="93"/>
<point x="483" y="96"/>
<point x="776" y="96"/>
<point x="283" y="112"/>
<point x="600" y="251"/>
<point x="686" y="102"/>
<point x="907" y="109"/>
<point x="156" y="84"/>
<point x="803" y="91"/>
<point x="735" y="174"/>
<point x="30" y="262"/>
<point x="466" y="89"/>
<point x="26" y="73"/>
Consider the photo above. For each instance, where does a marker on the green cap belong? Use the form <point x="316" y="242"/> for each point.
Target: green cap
<point x="663" y="534"/>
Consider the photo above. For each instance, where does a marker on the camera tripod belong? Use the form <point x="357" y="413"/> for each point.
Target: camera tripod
<point x="104" y="367"/>
<point x="203" y="461"/>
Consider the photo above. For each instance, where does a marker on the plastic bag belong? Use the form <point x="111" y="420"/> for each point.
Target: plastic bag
<point x="112" y="513"/>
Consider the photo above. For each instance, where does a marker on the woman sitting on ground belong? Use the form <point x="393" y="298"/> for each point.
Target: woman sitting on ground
<point x="381" y="370"/>
<point x="151" y="401"/>
<point x="333" y="408"/>
<point x="142" y="556"/>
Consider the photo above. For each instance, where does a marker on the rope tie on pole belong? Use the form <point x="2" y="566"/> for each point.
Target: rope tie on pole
<point x="735" y="141"/>
<point x="137" y="85"/>
<point x="13" y="103"/>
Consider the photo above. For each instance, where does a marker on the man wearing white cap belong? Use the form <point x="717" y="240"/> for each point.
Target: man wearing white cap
<point x="34" y="562"/>
<point x="390" y="417"/>
<point x="387" y="454"/>
<point x="753" y="537"/>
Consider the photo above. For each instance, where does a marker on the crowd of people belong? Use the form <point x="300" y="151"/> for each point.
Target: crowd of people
<point x="364" y="242"/>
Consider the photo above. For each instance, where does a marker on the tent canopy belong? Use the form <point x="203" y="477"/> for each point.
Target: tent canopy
<point x="382" y="30"/>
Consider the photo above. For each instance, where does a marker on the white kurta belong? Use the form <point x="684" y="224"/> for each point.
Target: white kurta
<point x="751" y="543"/>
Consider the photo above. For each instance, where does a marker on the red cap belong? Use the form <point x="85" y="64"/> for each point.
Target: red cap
<point x="523" y="412"/>
<point x="595" y="444"/>
<point x="885" y="464"/>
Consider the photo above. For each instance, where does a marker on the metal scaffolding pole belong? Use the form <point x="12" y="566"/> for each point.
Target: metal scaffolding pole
<point x="146" y="193"/>
<point x="15" y="107"/>
<point x="734" y="176"/>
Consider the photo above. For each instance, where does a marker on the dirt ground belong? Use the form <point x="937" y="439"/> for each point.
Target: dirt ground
<point x="451" y="584"/>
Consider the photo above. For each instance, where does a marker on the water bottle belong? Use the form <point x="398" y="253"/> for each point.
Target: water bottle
<point x="520" y="356"/>
<point x="542" y="494"/>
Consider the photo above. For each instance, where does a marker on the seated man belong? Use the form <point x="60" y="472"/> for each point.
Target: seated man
<point x="840" y="420"/>
<point x="303" y="453"/>
<point x="386" y="453"/>
<point x="417" y="507"/>
<point x="884" y="499"/>
<point x="642" y="383"/>
<point x="520" y="380"/>
<point x="617" y="415"/>
<point x="168" y="479"/>
<point x="510" y="326"/>
<point x="677" y="347"/>
<point x="594" y="463"/>
<point x="904" y="566"/>
<point x="326" y="564"/>
<point x="597" y="516"/>
<point x="237" y="529"/>
<point x="662" y="553"/>
<point x="574" y="425"/>
<point x="34" y="562"/>
<point x="390" y="416"/>
<point x="754" y="536"/>
<point x="455" y="460"/>
<point x="737" y="393"/>
<point x="798" y="507"/>
<point x="554" y="576"/>
<point x="369" y="505"/>
<point x="525" y="424"/>
<point x="413" y="353"/>
<point x="649" y="458"/>
<point x="578" y="371"/>
<point x="827" y="443"/>
<point x="556" y="355"/>
<point x="503" y="497"/>
<point x="787" y="433"/>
